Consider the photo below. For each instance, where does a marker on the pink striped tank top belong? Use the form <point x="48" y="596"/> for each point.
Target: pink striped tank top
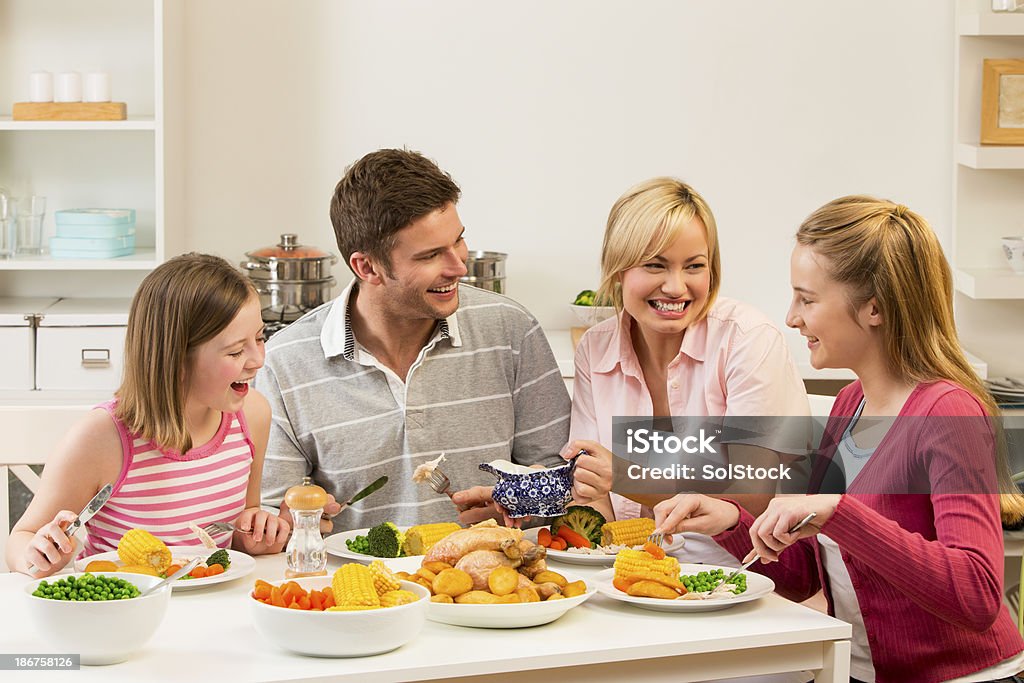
<point x="163" y="492"/>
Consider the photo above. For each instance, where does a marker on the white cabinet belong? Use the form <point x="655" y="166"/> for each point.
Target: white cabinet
<point x="17" y="341"/>
<point x="80" y="345"/>
<point x="988" y="196"/>
<point x="113" y="164"/>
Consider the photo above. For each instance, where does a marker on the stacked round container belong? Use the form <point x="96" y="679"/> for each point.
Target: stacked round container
<point x="94" y="233"/>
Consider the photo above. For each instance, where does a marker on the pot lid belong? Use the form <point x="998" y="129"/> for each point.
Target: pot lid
<point x="289" y="248"/>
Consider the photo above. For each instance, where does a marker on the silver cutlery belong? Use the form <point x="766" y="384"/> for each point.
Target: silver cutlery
<point x="189" y="566"/>
<point x="214" y="528"/>
<point x="91" y="508"/>
<point x="793" y="529"/>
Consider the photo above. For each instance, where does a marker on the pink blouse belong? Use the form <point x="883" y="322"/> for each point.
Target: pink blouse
<point x="734" y="362"/>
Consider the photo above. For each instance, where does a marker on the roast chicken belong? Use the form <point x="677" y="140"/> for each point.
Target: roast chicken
<point x="484" y="547"/>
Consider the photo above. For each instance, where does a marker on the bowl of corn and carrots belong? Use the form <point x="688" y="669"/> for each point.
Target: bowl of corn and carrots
<point x="356" y="612"/>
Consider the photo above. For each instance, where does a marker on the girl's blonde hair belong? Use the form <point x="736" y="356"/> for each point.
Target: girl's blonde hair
<point x="644" y="222"/>
<point x="885" y="251"/>
<point x="184" y="302"/>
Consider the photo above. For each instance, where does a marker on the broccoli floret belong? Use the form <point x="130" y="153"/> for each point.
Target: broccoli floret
<point x="385" y="540"/>
<point x="585" y="298"/>
<point x="220" y="557"/>
<point x="586" y="521"/>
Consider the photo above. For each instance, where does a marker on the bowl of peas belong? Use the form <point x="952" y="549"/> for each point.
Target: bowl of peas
<point x="100" y="615"/>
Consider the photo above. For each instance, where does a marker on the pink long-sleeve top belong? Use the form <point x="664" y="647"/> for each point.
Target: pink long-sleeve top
<point x="927" y="568"/>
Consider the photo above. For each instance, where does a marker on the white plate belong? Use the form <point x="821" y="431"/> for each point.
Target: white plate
<point x="591" y="560"/>
<point x="758" y="586"/>
<point x="241" y="565"/>
<point x="507" y="616"/>
<point x="336" y="546"/>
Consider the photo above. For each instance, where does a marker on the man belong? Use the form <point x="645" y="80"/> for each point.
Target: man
<point x="407" y="364"/>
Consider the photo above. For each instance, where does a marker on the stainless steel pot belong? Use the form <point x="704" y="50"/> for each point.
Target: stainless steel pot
<point x="288" y="301"/>
<point x="486" y="270"/>
<point x="290" y="278"/>
<point x="290" y="261"/>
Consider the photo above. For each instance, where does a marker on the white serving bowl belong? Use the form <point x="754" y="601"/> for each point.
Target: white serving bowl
<point x="103" y="631"/>
<point x="340" y="634"/>
<point x="592" y="315"/>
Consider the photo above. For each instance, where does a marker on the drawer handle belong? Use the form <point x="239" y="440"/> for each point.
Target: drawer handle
<point x="96" y="358"/>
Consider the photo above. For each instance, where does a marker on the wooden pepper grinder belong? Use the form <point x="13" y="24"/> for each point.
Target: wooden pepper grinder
<point x="306" y="551"/>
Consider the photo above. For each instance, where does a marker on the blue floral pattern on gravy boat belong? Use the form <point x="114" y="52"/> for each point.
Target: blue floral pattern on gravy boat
<point x="527" y="492"/>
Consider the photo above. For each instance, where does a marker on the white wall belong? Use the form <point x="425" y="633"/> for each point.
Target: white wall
<point x="545" y="112"/>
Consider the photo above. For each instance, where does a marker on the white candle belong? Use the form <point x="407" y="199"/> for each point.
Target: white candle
<point x="40" y="86"/>
<point x="97" y="87"/>
<point x="69" y="87"/>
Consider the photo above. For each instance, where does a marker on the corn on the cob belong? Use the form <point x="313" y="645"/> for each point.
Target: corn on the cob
<point x="627" y="531"/>
<point x="421" y="538"/>
<point x="384" y="580"/>
<point x="352" y="585"/>
<point x="394" y="598"/>
<point x="629" y="562"/>
<point x="139" y="547"/>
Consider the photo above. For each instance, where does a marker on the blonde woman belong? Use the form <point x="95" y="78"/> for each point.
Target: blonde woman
<point x="675" y="348"/>
<point x="911" y="554"/>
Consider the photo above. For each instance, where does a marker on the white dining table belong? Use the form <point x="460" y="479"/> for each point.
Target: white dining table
<point x="208" y="635"/>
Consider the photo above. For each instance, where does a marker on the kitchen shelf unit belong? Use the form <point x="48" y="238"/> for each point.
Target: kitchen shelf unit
<point x="988" y="195"/>
<point x="77" y="164"/>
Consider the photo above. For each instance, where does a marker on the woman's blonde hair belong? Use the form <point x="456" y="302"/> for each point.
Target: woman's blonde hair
<point x="184" y="302"/>
<point x="885" y="251"/>
<point x="644" y="222"/>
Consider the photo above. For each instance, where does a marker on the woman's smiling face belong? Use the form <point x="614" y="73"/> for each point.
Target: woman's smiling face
<point x="838" y="334"/>
<point x="664" y="294"/>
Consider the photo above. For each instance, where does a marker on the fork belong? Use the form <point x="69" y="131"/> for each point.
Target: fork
<point x="222" y="528"/>
<point x="656" y="538"/>
<point x="440" y="482"/>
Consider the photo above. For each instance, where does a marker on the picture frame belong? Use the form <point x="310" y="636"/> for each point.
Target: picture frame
<point x="1002" y="102"/>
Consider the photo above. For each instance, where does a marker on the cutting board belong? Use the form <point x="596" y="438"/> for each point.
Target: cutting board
<point x="70" y="111"/>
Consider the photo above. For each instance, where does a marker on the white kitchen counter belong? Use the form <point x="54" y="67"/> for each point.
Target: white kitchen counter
<point x="208" y="634"/>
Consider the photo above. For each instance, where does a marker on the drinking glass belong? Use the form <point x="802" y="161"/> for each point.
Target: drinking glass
<point x="31" y="213"/>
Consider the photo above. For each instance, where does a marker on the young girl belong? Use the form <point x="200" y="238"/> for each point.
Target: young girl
<point x="676" y="347"/>
<point x="919" y="577"/>
<point x="184" y="438"/>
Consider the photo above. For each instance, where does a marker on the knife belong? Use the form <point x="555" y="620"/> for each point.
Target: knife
<point x="365" y="492"/>
<point x="91" y="508"/>
<point x="792" y="530"/>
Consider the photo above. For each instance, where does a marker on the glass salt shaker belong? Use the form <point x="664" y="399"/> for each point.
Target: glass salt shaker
<point x="306" y="552"/>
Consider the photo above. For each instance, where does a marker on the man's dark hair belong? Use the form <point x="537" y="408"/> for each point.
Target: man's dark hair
<point x="382" y="193"/>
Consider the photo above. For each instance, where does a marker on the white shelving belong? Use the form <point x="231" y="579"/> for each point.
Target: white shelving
<point x="133" y="123"/>
<point x="992" y="157"/>
<point x="988" y="195"/>
<point x="78" y="164"/>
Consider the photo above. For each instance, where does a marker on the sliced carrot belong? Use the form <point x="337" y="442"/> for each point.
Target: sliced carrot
<point x="303" y="602"/>
<point x="655" y="551"/>
<point x="329" y="601"/>
<point x="277" y="597"/>
<point x="544" y="536"/>
<point x="198" y="573"/>
<point x="262" y="592"/>
<point x="316" y="600"/>
<point x="574" y="539"/>
<point x="294" y="605"/>
<point x="328" y="592"/>
<point x="170" y="570"/>
<point x="558" y="543"/>
<point x="214" y="569"/>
